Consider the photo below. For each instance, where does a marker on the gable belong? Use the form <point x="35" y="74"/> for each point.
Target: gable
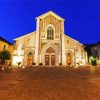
<point x="24" y="36"/>
<point x="47" y="21"/>
<point x="50" y="13"/>
<point x="71" y="43"/>
<point x="50" y="19"/>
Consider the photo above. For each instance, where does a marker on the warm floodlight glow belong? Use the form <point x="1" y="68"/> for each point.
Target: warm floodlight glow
<point x="3" y="69"/>
<point x="17" y="59"/>
<point x="20" y="52"/>
<point x="23" y="67"/>
<point x="77" y="65"/>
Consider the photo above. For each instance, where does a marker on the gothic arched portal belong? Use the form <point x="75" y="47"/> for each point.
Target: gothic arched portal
<point x="50" y="57"/>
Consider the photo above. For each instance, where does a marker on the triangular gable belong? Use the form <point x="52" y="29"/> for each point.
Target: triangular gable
<point x="52" y="13"/>
<point x="24" y="36"/>
<point x="73" y="39"/>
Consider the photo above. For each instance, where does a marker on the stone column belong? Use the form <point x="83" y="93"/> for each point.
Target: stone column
<point x="59" y="56"/>
<point x="37" y="42"/>
<point x="40" y="58"/>
<point x="63" y="43"/>
<point x="74" y="56"/>
<point x="86" y="57"/>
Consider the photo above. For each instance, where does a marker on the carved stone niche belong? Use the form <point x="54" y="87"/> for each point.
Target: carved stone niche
<point x="42" y="34"/>
<point x="41" y="25"/>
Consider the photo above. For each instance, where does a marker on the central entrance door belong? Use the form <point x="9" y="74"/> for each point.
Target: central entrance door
<point x="50" y="57"/>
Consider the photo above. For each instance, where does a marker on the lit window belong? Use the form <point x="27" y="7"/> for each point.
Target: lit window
<point x="67" y="41"/>
<point x="4" y="47"/>
<point x="50" y="33"/>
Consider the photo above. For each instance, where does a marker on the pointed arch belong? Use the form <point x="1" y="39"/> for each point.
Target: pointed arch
<point x="29" y="57"/>
<point x="69" y="57"/>
<point x="52" y="50"/>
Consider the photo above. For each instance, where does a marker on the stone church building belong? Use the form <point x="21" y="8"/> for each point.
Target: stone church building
<point x="48" y="44"/>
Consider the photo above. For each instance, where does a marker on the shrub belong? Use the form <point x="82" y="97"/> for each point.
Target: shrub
<point x="5" y="55"/>
<point x="60" y="63"/>
<point x="40" y="64"/>
<point x="33" y="63"/>
<point x="19" y="63"/>
<point x="94" y="63"/>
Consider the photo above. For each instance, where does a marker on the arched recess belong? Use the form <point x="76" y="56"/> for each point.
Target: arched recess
<point x="50" y="57"/>
<point x="29" y="57"/>
<point x="69" y="57"/>
<point x="52" y="50"/>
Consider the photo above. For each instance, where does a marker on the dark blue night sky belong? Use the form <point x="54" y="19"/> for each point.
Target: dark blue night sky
<point x="81" y="17"/>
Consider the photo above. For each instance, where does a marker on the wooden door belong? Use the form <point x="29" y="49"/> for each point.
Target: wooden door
<point x="69" y="59"/>
<point x="30" y="60"/>
<point x="52" y="59"/>
<point x="47" y="59"/>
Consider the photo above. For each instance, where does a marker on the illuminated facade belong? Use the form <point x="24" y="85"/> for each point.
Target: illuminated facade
<point x="96" y="51"/>
<point x="3" y="44"/>
<point x="48" y="44"/>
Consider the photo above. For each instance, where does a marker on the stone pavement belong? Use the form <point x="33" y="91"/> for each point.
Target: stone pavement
<point x="50" y="83"/>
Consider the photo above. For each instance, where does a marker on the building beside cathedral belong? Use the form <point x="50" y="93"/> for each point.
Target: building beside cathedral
<point x="48" y="44"/>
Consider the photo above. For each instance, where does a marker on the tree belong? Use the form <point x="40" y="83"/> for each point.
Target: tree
<point x="5" y="55"/>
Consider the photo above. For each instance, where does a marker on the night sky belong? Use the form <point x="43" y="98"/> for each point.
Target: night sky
<point x="17" y="17"/>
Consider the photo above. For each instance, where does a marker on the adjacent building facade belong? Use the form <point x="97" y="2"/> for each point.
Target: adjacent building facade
<point x="96" y="51"/>
<point x="48" y="44"/>
<point x="4" y="44"/>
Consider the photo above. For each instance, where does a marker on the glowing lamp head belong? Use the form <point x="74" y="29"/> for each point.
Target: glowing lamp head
<point x="91" y="58"/>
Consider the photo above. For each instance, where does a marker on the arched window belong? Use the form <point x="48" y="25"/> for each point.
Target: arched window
<point x="50" y="33"/>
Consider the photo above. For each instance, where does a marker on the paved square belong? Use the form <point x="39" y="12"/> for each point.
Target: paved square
<point x="50" y="83"/>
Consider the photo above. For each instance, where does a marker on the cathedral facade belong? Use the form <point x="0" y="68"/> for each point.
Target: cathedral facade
<point x="48" y="44"/>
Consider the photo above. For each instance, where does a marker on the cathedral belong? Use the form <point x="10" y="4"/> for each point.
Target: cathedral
<point x="48" y="45"/>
